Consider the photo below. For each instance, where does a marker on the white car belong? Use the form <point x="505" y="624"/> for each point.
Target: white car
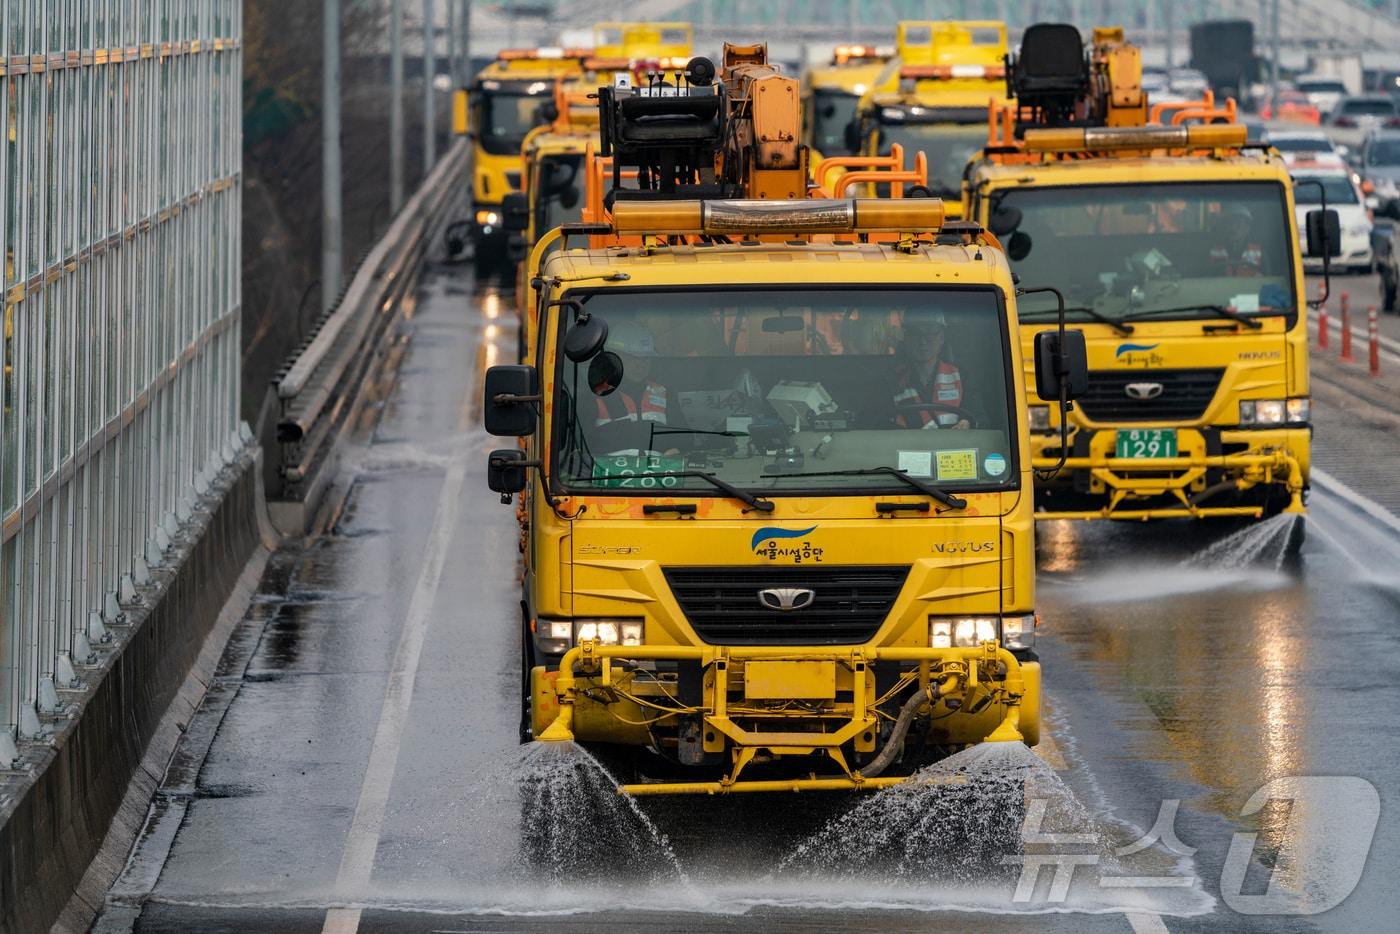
<point x="1305" y="147"/>
<point x="1354" y="118"/>
<point x="1188" y="83"/>
<point x="1344" y="197"/>
<point x="1323" y="91"/>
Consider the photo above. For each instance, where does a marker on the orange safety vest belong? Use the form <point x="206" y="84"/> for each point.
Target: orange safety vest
<point x="946" y="388"/>
<point x="1249" y="263"/>
<point x="652" y="409"/>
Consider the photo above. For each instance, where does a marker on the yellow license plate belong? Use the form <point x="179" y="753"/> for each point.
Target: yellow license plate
<point x="794" y="680"/>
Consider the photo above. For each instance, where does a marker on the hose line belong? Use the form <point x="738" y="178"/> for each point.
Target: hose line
<point x="895" y="744"/>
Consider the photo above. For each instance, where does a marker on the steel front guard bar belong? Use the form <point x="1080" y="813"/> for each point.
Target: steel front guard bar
<point x="594" y="657"/>
<point x="1252" y="470"/>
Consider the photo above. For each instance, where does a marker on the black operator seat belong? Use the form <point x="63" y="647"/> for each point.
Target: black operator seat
<point x="1051" y="74"/>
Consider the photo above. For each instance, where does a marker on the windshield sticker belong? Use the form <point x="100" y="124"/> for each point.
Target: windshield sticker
<point x="1245" y="302"/>
<point x="994" y="465"/>
<point x="916" y="463"/>
<point x="957" y="465"/>
<point x="766" y="544"/>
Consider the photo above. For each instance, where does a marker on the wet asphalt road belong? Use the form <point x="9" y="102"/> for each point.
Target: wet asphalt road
<point x="363" y="746"/>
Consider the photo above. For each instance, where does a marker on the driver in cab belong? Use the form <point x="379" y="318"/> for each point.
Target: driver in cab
<point x="633" y="411"/>
<point x="928" y="385"/>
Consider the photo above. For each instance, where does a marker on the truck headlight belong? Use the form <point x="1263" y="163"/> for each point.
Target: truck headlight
<point x="961" y="633"/>
<point x="608" y="631"/>
<point x="1018" y="632"/>
<point x="1275" y="411"/>
<point x="1013" y="632"/>
<point x="1040" y="417"/>
<point x="487" y="218"/>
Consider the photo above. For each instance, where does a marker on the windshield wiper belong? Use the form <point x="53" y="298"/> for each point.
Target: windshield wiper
<point x="1098" y="316"/>
<point x="942" y="496"/>
<point x="743" y="496"/>
<point x="1220" y="310"/>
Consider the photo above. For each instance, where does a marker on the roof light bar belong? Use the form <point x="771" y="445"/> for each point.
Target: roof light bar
<point x="1098" y="139"/>
<point x="873" y="215"/>
<point x="948" y="72"/>
<point x="549" y="52"/>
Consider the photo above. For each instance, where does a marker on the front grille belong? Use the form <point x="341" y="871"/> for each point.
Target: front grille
<point x="1185" y="395"/>
<point x="722" y="605"/>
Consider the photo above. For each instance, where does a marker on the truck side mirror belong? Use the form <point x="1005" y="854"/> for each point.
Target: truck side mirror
<point x="853" y="135"/>
<point x="515" y="211"/>
<point x="1061" y="366"/>
<point x="512" y="392"/>
<point x="505" y="471"/>
<point x="1324" y="231"/>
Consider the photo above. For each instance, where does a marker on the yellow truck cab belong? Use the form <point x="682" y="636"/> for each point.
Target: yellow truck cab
<point x="1174" y="248"/>
<point x="507" y="99"/>
<point x="665" y="46"/>
<point x="773" y="538"/>
<point x="834" y="91"/>
<point x="950" y="74"/>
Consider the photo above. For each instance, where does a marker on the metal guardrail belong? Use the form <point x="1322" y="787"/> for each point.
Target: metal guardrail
<point x="121" y="279"/>
<point x="319" y="385"/>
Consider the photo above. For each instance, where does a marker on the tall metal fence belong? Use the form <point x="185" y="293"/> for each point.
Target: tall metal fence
<point x="119" y="227"/>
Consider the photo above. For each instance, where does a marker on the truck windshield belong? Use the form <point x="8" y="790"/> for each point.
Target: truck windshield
<point x="1307" y="189"/>
<point x="832" y="112"/>
<point x="1168" y="250"/>
<point x="758" y="387"/>
<point x="948" y="147"/>
<point x="507" y="114"/>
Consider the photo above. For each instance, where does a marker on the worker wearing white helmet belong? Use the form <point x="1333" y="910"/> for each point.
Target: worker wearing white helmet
<point x="928" y="385"/>
<point x="636" y="398"/>
<point x="1235" y="252"/>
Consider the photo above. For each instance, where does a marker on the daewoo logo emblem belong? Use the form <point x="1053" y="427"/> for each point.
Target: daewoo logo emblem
<point x="1143" y="391"/>
<point x="787" y="599"/>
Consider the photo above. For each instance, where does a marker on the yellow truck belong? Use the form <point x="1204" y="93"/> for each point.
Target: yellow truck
<point x="950" y="74"/>
<point x="508" y="98"/>
<point x="774" y="469"/>
<point x="1174" y="245"/>
<point x="664" y="45"/>
<point x="834" y="91"/>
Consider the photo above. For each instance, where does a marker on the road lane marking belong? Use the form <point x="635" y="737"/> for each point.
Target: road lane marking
<point x="362" y="841"/>
<point x="1146" y="922"/>
<point x="1357" y="500"/>
<point x="1050" y="753"/>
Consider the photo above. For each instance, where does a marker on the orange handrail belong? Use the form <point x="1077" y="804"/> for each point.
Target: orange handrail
<point x="918" y="176"/>
<point x="1206" y="114"/>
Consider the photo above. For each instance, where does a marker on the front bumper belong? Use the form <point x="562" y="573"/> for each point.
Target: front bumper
<point x="1356" y="254"/>
<point x="750" y="704"/>
<point x="1211" y="465"/>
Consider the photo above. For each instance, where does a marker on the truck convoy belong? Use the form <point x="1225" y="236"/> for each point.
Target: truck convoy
<point x="774" y="463"/>
<point x="1175" y="247"/>
<point x="507" y="99"/>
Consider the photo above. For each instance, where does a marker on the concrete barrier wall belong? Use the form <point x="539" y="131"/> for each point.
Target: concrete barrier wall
<point x="56" y="812"/>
